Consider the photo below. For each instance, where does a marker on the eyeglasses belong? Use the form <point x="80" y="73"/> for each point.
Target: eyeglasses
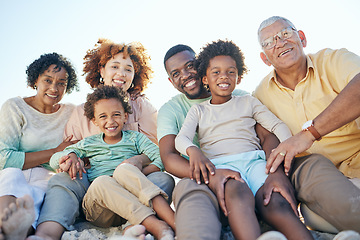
<point x="284" y="34"/>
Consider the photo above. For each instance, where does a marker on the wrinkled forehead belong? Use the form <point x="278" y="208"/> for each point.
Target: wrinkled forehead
<point x="272" y="29"/>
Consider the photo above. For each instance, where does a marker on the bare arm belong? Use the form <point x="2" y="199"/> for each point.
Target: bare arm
<point x="174" y="163"/>
<point x="334" y="116"/>
<point x="33" y="159"/>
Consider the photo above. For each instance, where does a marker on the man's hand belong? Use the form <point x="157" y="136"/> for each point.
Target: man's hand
<point x="217" y="184"/>
<point x="134" y="161"/>
<point x="278" y="182"/>
<point x="287" y="150"/>
<point x="72" y="165"/>
<point x="199" y="165"/>
<point x="67" y="142"/>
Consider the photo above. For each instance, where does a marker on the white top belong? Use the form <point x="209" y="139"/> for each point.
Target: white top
<point x="228" y="128"/>
<point x="24" y="129"/>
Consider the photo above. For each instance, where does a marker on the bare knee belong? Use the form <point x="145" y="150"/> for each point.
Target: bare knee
<point x="235" y="190"/>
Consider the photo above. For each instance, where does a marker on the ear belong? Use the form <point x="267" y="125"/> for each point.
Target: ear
<point x="302" y="38"/>
<point x="102" y="72"/>
<point x="205" y="80"/>
<point x="94" y="122"/>
<point x="126" y="117"/>
<point x="239" y="80"/>
<point x="265" y="59"/>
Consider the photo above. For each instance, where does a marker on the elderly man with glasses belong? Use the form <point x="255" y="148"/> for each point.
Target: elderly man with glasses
<point x="298" y="89"/>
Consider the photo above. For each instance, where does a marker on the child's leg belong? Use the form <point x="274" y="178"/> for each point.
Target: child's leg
<point x="132" y="179"/>
<point x="160" y="229"/>
<point x="106" y="202"/>
<point x="240" y="204"/>
<point x="279" y="214"/>
<point x="164" y="211"/>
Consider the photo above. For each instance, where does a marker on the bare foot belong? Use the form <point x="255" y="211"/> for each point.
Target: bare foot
<point x="164" y="232"/>
<point x="17" y="218"/>
<point x="135" y="231"/>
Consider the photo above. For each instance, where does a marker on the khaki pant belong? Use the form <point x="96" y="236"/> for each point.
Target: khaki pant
<point x="127" y="195"/>
<point x="317" y="182"/>
<point x="327" y="192"/>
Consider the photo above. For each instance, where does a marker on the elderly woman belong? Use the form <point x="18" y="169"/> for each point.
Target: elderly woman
<point x="31" y="131"/>
<point x="125" y="66"/>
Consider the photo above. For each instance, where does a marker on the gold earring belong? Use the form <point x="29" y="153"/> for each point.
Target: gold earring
<point x="35" y="87"/>
<point x="101" y="80"/>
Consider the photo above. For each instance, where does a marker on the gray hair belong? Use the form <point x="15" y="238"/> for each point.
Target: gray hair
<point x="271" y="20"/>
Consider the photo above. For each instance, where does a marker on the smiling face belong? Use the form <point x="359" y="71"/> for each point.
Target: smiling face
<point x="286" y="53"/>
<point x="182" y="75"/>
<point x="110" y="117"/>
<point x="51" y="85"/>
<point x="118" y="71"/>
<point x="222" y="77"/>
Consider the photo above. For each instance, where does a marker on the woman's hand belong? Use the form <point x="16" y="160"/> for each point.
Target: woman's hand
<point x="199" y="165"/>
<point x="72" y="165"/>
<point x="67" y="142"/>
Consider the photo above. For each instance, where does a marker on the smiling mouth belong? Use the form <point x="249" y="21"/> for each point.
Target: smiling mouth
<point x="224" y="85"/>
<point x="118" y="81"/>
<point x="284" y="52"/>
<point x="51" y="96"/>
<point x="111" y="128"/>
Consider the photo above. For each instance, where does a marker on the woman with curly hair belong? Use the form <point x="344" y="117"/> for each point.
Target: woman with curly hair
<point x="31" y="132"/>
<point x="110" y="64"/>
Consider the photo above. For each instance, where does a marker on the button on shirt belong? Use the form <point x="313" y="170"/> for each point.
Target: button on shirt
<point x="328" y="72"/>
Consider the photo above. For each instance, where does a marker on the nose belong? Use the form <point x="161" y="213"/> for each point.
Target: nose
<point x="184" y="74"/>
<point x="280" y="42"/>
<point x="53" y="87"/>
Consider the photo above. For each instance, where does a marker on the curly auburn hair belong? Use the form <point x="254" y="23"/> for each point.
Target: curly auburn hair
<point x="219" y="48"/>
<point x="40" y="65"/>
<point x="105" y="92"/>
<point x="105" y="50"/>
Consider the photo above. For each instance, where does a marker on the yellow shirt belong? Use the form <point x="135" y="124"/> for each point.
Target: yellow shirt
<point x="328" y="72"/>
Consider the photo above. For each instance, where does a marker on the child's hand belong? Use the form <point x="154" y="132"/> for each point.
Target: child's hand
<point x="199" y="165"/>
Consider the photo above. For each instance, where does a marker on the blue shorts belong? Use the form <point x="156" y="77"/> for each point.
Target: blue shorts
<point x="251" y="166"/>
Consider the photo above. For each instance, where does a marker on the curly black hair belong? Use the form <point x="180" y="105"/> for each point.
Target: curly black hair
<point x="40" y="65"/>
<point x="219" y="48"/>
<point x="105" y="92"/>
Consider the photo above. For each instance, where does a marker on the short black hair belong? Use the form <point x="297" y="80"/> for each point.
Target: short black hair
<point x="219" y="48"/>
<point x="176" y="49"/>
<point x="40" y="65"/>
<point x="105" y="92"/>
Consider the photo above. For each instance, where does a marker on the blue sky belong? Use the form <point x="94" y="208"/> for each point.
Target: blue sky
<point x="31" y="28"/>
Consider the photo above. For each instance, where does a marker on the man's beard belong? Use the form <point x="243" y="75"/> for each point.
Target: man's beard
<point x="196" y="95"/>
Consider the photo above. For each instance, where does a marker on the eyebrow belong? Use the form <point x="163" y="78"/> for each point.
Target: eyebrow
<point x="61" y="79"/>
<point x="175" y="70"/>
<point x="117" y="62"/>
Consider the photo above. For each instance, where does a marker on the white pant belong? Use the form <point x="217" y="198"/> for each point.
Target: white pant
<point x="33" y="182"/>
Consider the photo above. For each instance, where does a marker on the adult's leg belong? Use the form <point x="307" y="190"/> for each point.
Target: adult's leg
<point x="326" y="191"/>
<point x="197" y="214"/>
<point x="61" y="205"/>
<point x="164" y="181"/>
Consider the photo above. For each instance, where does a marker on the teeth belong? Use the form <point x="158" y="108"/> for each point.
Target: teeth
<point x="284" y="52"/>
<point x="53" y="96"/>
<point x="223" y="85"/>
<point x="189" y="84"/>
<point x="111" y="128"/>
<point x="119" y="81"/>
